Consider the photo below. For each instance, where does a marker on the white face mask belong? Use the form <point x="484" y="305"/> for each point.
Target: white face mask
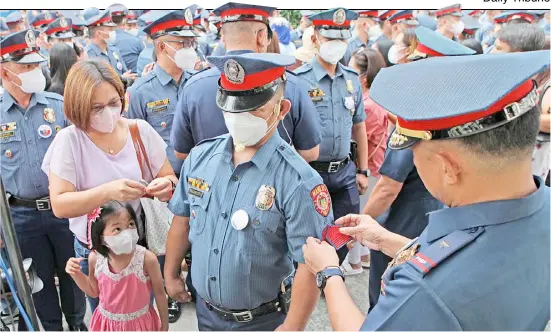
<point x="112" y="37"/>
<point x="32" y="81"/>
<point x="184" y="58"/>
<point x="458" y="27"/>
<point x="122" y="243"/>
<point x="213" y="29"/>
<point x="133" y="32"/>
<point x="396" y="53"/>
<point x="333" y="50"/>
<point x="374" y="31"/>
<point x="247" y="129"/>
<point x="70" y="44"/>
<point x="106" y="120"/>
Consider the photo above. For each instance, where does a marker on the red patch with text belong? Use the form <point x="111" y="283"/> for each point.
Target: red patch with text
<point x="322" y="199"/>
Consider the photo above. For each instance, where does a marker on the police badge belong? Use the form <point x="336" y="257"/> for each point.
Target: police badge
<point x="48" y="16"/>
<point x="339" y="17"/>
<point x="234" y="72"/>
<point x="49" y="115"/>
<point x="30" y="38"/>
<point x="188" y="16"/>
<point x="265" y="198"/>
<point x="63" y="22"/>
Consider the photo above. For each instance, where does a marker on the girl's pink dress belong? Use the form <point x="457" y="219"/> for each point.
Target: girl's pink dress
<point x="125" y="298"/>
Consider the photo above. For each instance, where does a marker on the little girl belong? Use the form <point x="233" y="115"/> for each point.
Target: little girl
<point x="122" y="274"/>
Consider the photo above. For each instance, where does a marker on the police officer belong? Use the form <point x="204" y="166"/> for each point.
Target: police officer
<point x="245" y="222"/>
<point x="473" y="265"/>
<point x="30" y="119"/>
<point x="449" y="21"/>
<point x="153" y="97"/>
<point x="198" y="117"/>
<point x="4" y="30"/>
<point x="42" y="20"/>
<point x="337" y="94"/>
<point x="60" y="31"/>
<point x="129" y="45"/>
<point x="365" y="29"/>
<point x="400" y="202"/>
<point x="386" y="26"/>
<point x="102" y="36"/>
<point x="212" y="38"/>
<point x="472" y="25"/>
<point x="146" y="55"/>
<point x="400" y="21"/>
<point x="14" y="21"/>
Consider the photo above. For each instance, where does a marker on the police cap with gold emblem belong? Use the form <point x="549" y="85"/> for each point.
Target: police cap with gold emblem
<point x="118" y="9"/>
<point x="40" y="21"/>
<point x="472" y="25"/>
<point x="453" y="10"/>
<point x="403" y="16"/>
<point x="385" y="14"/>
<point x="20" y="47"/>
<point x="177" y="23"/>
<point x="60" y="28"/>
<point x="14" y="18"/>
<point x="449" y="97"/>
<point x="131" y="18"/>
<point x="510" y="15"/>
<point x="95" y="17"/>
<point x="248" y="81"/>
<point x="432" y="43"/>
<point x="334" y="23"/>
<point x="239" y="12"/>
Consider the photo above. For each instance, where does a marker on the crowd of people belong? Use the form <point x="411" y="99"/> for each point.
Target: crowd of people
<point x="136" y="144"/>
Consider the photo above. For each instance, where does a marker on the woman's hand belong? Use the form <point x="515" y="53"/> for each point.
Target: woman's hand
<point x="319" y="255"/>
<point x="363" y="229"/>
<point x="125" y="190"/>
<point x="160" y="188"/>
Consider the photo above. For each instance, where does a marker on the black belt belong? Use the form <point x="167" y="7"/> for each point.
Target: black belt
<point x="329" y="166"/>
<point x="41" y="204"/>
<point x="245" y="316"/>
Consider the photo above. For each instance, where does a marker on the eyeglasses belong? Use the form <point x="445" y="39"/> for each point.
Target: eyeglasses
<point x="185" y="43"/>
<point x="112" y="104"/>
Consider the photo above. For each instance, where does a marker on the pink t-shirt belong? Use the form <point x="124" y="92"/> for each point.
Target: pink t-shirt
<point x="75" y="158"/>
<point x="376" y="126"/>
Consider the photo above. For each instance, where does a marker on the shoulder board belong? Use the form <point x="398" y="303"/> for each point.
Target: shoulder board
<point x="294" y="159"/>
<point x="196" y="76"/>
<point x="348" y="69"/>
<point x="291" y="73"/>
<point x="434" y="254"/>
<point x="142" y="80"/>
<point x="303" y="69"/>
<point x="193" y="73"/>
<point x="212" y="140"/>
<point x="52" y="95"/>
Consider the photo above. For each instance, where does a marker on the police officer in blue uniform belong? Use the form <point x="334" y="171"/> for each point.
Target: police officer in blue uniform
<point x="475" y="263"/>
<point x="153" y="97"/>
<point x="14" y="21"/>
<point x="61" y="31"/>
<point x="245" y="222"/>
<point x="146" y="55"/>
<point x="335" y="90"/>
<point x="449" y="21"/>
<point x="29" y="121"/>
<point x="198" y="117"/>
<point x="42" y="20"/>
<point x="212" y="39"/>
<point x="400" y="201"/>
<point x="401" y="21"/>
<point x="129" y="45"/>
<point x="366" y="21"/>
<point x="384" y="23"/>
<point x="101" y="30"/>
<point x="4" y="30"/>
<point x="472" y="25"/>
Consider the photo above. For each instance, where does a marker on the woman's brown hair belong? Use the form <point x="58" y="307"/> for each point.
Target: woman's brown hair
<point x="83" y="79"/>
<point x="370" y="62"/>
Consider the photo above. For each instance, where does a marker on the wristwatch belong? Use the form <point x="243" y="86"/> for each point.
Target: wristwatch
<point x="328" y="272"/>
<point x="365" y="172"/>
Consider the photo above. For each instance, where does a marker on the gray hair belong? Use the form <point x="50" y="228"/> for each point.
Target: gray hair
<point x="522" y="37"/>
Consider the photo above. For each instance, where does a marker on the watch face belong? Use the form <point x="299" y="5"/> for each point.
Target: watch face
<point x="319" y="279"/>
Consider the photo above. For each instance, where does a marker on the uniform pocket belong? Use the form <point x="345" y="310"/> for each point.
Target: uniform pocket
<point x="198" y="212"/>
<point x="261" y="235"/>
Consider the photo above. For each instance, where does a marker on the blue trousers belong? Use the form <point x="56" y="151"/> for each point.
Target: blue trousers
<point x="83" y="252"/>
<point x="48" y="241"/>
<point x="210" y="321"/>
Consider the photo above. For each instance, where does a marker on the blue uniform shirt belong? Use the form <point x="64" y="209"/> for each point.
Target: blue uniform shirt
<point x="113" y="57"/>
<point x="198" y="117"/>
<point x="130" y="48"/>
<point x="145" y="58"/>
<point x="219" y="50"/>
<point x="243" y="269"/>
<point x="153" y="98"/>
<point x="339" y="108"/>
<point x="353" y="44"/>
<point x="24" y="139"/>
<point x="499" y="280"/>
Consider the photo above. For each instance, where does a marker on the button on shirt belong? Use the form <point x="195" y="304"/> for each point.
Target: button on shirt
<point x="22" y="146"/>
<point x="153" y="98"/>
<point x="198" y="117"/>
<point x="130" y="47"/>
<point x="249" y="265"/>
<point x="338" y="109"/>
<point x="112" y="56"/>
<point x="500" y="281"/>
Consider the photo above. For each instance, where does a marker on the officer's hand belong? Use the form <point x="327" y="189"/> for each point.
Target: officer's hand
<point x="176" y="289"/>
<point x="149" y="67"/>
<point x="125" y="190"/>
<point x="160" y="188"/>
<point x="362" y="182"/>
<point x="363" y="229"/>
<point x="130" y="75"/>
<point x="73" y="266"/>
<point x="318" y="255"/>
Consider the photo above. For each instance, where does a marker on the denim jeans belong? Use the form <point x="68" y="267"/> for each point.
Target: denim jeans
<point x="83" y="252"/>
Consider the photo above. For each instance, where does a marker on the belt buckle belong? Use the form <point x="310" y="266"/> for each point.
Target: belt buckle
<point x="43" y="205"/>
<point x="243" y="317"/>
<point x="334" y="166"/>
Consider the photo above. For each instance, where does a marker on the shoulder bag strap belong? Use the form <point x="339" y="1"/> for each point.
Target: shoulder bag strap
<point x="141" y="153"/>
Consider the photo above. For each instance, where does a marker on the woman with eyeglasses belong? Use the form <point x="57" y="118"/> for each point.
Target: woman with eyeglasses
<point x="94" y="161"/>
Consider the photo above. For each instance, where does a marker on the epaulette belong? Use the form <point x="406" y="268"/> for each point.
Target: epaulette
<point x="348" y="69"/>
<point x="294" y="159"/>
<point x="303" y="69"/>
<point x="212" y="140"/>
<point x="142" y="80"/>
<point x="430" y="257"/>
<point x="53" y="95"/>
<point x="198" y="75"/>
<point x="290" y="72"/>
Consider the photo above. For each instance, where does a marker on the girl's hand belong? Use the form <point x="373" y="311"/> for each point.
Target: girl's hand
<point x="73" y="266"/>
<point x="160" y="188"/>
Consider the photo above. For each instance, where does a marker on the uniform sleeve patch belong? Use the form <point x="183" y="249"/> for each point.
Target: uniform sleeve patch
<point x="322" y="199"/>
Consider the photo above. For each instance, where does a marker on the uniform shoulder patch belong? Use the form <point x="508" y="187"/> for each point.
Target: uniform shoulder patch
<point x="303" y="69"/>
<point x="322" y="199"/>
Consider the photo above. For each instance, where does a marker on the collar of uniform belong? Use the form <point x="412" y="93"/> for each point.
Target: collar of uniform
<point x="97" y="49"/>
<point x="7" y="101"/>
<point x="163" y="76"/>
<point x="445" y="221"/>
<point x="36" y="98"/>
<point x="262" y="156"/>
<point x="239" y="52"/>
<point x="40" y="98"/>
<point x="320" y="72"/>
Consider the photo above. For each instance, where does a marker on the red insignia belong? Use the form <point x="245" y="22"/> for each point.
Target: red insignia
<point x="322" y="199"/>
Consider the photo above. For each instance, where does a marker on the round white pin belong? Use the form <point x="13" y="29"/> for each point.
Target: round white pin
<point x="44" y="131"/>
<point x="240" y="219"/>
<point x="119" y="66"/>
<point x="349" y="103"/>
